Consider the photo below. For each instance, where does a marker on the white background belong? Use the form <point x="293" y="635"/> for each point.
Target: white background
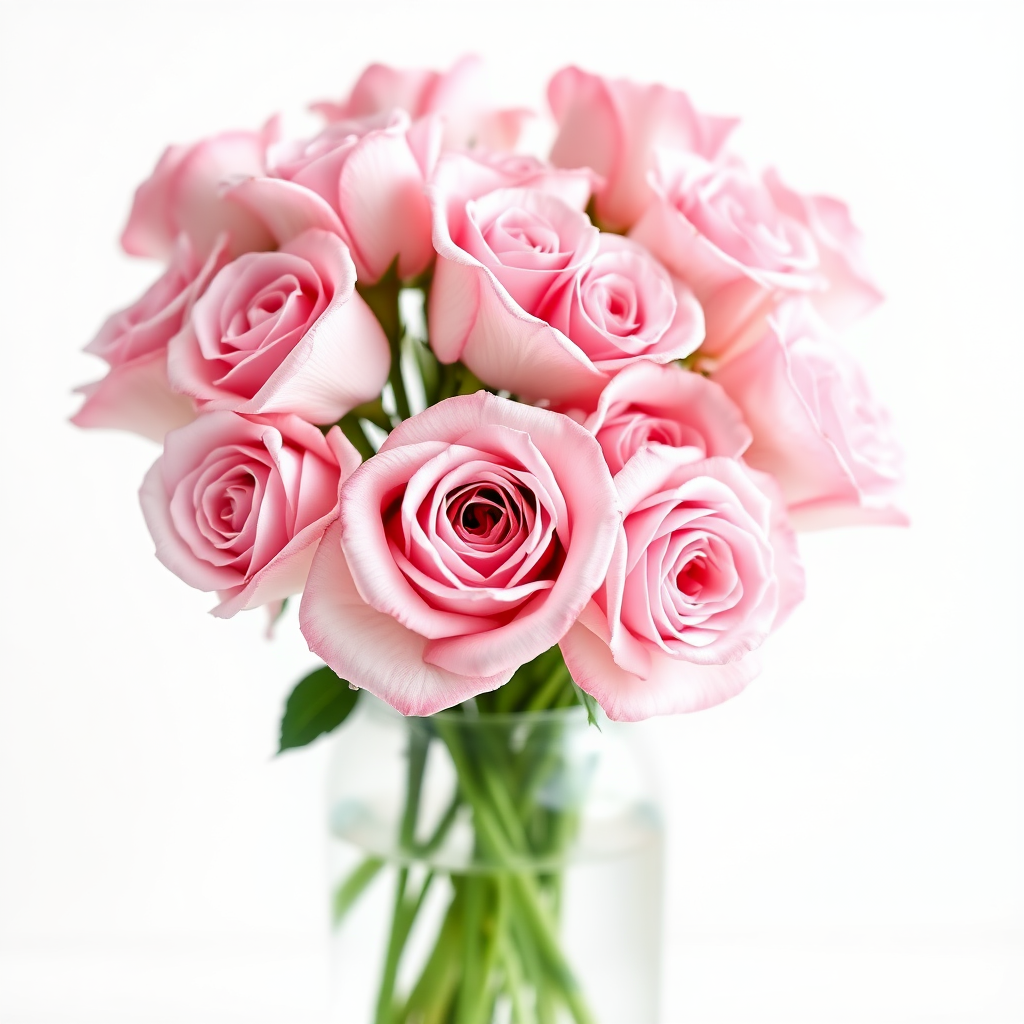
<point x="846" y="838"/>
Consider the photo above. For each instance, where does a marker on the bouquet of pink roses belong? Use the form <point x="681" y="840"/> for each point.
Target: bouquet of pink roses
<point x="525" y="433"/>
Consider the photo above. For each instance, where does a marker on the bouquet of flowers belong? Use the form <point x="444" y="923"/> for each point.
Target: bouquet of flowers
<point x="525" y="433"/>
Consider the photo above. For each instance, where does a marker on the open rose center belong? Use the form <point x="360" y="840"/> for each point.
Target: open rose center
<point x="612" y="303"/>
<point x="237" y="506"/>
<point x="278" y="309"/>
<point x="518" y="231"/>
<point x="690" y="579"/>
<point x="474" y="536"/>
<point x="484" y="516"/>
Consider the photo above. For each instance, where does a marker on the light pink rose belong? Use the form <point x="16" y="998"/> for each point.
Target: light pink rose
<point x="705" y="567"/>
<point x="623" y="305"/>
<point x="186" y="195"/>
<point x="467" y="546"/>
<point x="136" y="395"/>
<point x="817" y="428"/>
<point x="851" y="291"/>
<point x="360" y="179"/>
<point x="237" y="505"/>
<point x="283" y="331"/>
<point x="649" y="404"/>
<point x="498" y="258"/>
<point x="459" y="95"/>
<point x="615" y="126"/>
<point x="716" y="226"/>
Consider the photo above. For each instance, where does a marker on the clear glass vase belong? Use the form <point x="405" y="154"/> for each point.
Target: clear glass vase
<point x="492" y="868"/>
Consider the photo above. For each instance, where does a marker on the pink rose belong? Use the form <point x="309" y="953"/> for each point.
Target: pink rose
<point x="459" y="95"/>
<point x="850" y="291"/>
<point x="498" y="257"/>
<point x="623" y="305"/>
<point x="744" y="243"/>
<point x="817" y="428"/>
<point x="704" y="569"/>
<point x="237" y="505"/>
<point x="360" y="179"/>
<point x="647" y="404"/>
<point x="615" y="126"/>
<point x="467" y="546"/>
<point x="283" y="331"/>
<point x="185" y="194"/>
<point x="716" y="226"/>
<point x="136" y="395"/>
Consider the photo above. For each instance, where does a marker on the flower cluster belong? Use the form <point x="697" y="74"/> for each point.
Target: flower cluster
<point x="627" y="393"/>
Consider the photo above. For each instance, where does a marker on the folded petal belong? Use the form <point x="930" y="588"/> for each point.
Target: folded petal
<point x="371" y="649"/>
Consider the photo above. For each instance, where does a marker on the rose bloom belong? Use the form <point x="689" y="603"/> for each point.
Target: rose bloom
<point x="136" y="395"/>
<point x="623" y="305"/>
<point x="283" y="331"/>
<point x="458" y="95"/>
<point x="650" y="404"/>
<point x="499" y="256"/>
<point x="185" y="195"/>
<point x="743" y="243"/>
<point x="817" y="428"/>
<point x="615" y="126"/>
<point x="361" y="179"/>
<point x="705" y="567"/>
<point x="467" y="546"/>
<point x="237" y="504"/>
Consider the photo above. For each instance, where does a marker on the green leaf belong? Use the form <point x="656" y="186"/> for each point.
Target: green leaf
<point x="430" y="369"/>
<point x="589" y="703"/>
<point x="351" y="889"/>
<point x="319" y="703"/>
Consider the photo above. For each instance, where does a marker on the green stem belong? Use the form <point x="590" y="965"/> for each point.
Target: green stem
<point x="386" y="996"/>
<point x="402" y="408"/>
<point x="432" y="995"/>
<point x="473" y="978"/>
<point x="507" y="851"/>
<point x="544" y="696"/>
<point x="352" y="888"/>
<point x="419" y="745"/>
<point x="424" y="850"/>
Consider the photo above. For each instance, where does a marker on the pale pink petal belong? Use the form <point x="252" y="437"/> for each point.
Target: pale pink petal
<point x="371" y="649"/>
<point x="672" y="687"/>
<point x="851" y="292"/>
<point x="285" y="208"/>
<point x="171" y="549"/>
<point x="384" y="208"/>
<point x="472" y="318"/>
<point x="788" y="568"/>
<point x="135" y="396"/>
<point x="615" y="126"/>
